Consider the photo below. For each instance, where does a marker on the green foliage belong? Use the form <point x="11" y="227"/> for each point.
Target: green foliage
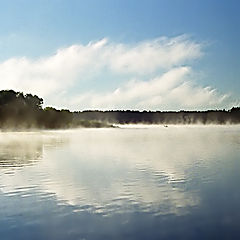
<point x="21" y="111"/>
<point x="18" y="110"/>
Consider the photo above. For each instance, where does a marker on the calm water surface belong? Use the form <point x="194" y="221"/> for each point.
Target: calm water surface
<point x="131" y="183"/>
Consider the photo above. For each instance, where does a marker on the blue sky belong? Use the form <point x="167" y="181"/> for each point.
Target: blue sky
<point x="33" y="31"/>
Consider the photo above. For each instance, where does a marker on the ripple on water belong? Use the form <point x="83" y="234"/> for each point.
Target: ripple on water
<point x="150" y="173"/>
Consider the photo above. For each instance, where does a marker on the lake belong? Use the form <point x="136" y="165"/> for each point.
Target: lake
<point x="133" y="182"/>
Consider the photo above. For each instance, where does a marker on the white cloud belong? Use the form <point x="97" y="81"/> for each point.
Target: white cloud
<point x="55" y="77"/>
<point x="148" y="56"/>
<point x="172" y="90"/>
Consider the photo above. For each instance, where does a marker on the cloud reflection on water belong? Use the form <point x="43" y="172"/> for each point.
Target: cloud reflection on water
<point x="110" y="171"/>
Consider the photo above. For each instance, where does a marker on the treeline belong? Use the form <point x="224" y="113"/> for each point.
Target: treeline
<point x="24" y="111"/>
<point x="18" y="110"/>
<point x="170" y="117"/>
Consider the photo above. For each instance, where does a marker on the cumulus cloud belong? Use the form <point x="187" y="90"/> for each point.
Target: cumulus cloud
<point x="153" y="76"/>
<point x="172" y="90"/>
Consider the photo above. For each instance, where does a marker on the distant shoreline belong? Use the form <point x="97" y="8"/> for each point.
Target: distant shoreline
<point x="25" y="111"/>
<point x="122" y="126"/>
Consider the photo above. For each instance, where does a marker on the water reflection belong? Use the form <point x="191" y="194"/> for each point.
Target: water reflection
<point x="133" y="171"/>
<point x="162" y="175"/>
<point x="20" y="154"/>
<point x="25" y="148"/>
<point x="110" y="171"/>
<point x="18" y="151"/>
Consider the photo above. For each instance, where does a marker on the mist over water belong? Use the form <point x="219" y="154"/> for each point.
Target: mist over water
<point x="134" y="182"/>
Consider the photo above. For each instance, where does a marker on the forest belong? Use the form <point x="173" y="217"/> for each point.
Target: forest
<point x="25" y="111"/>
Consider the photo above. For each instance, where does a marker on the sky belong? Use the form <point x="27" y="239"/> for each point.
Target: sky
<point x="122" y="54"/>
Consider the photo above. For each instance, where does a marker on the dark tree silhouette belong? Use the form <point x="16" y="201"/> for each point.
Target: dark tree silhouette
<point x="18" y="110"/>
